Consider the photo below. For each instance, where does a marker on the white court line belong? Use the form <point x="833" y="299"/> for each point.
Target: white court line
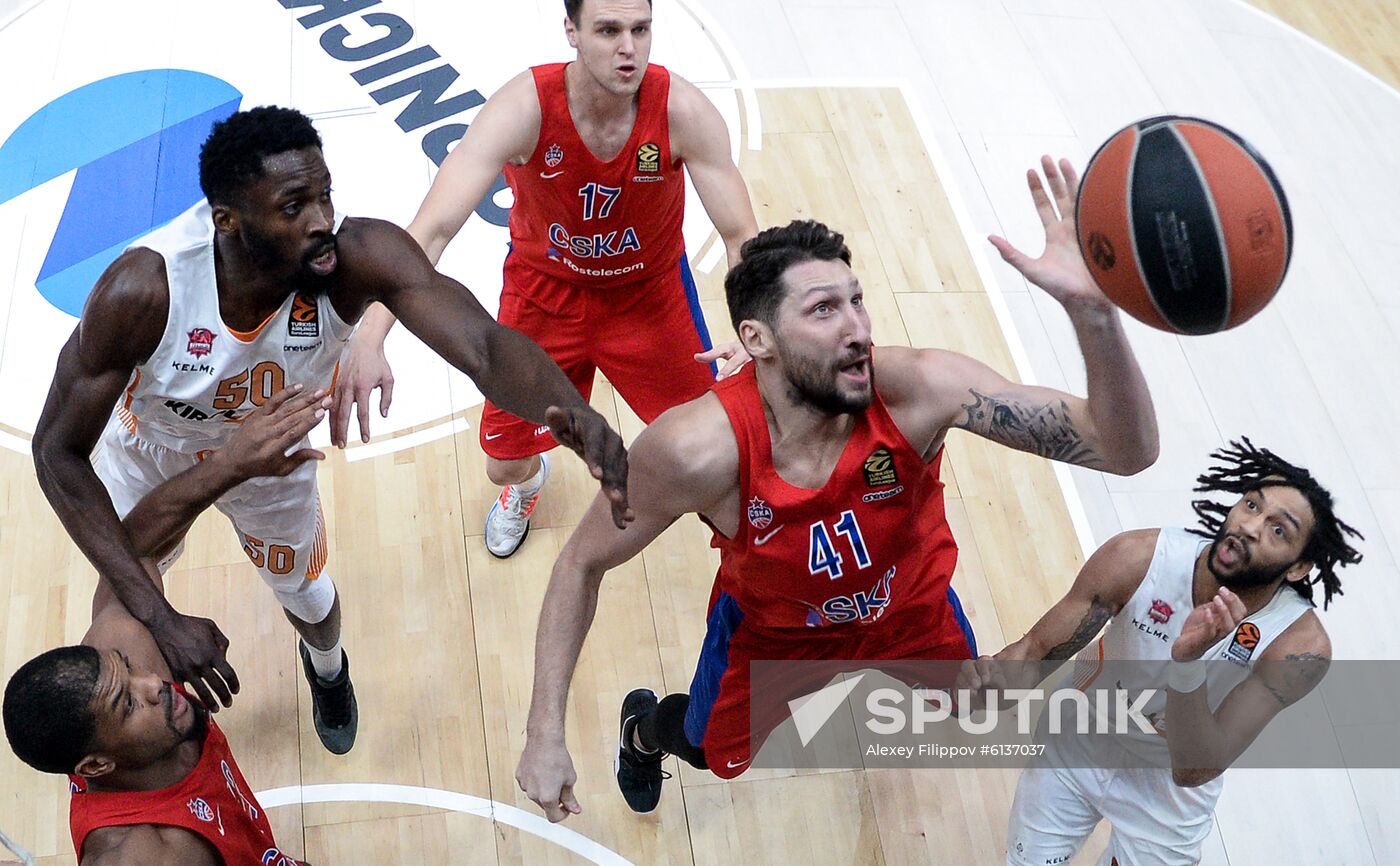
<point x="406" y="795"/>
<point x="19" y="12"/>
<point x="712" y="256"/>
<point x="15" y="443"/>
<point x="1318" y="43"/>
<point x="390" y="444"/>
<point x="977" y="245"/>
<point x="752" y="117"/>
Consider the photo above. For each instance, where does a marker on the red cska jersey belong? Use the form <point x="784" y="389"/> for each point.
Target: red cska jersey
<point x="595" y="223"/>
<point x="214" y="801"/>
<point x="870" y="547"/>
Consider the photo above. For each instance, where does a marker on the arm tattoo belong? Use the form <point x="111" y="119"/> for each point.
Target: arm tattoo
<point x="1099" y="613"/>
<point x="1302" y="673"/>
<point x="1046" y="430"/>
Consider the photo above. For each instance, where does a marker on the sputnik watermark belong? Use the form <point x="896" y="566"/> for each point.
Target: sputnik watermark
<point x="935" y="706"/>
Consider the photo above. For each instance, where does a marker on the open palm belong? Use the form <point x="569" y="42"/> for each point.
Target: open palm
<point x="1060" y="269"/>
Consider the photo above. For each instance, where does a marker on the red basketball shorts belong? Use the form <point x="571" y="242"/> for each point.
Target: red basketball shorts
<point x="719" y="717"/>
<point x="643" y="336"/>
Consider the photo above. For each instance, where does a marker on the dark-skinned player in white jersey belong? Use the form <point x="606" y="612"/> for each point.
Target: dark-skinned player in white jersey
<point x="279" y="278"/>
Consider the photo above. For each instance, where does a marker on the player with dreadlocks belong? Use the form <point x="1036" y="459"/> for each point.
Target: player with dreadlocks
<point x="1234" y="593"/>
<point x="1249" y="469"/>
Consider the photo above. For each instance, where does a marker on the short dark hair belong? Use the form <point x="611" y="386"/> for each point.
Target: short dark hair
<point x="48" y="708"/>
<point x="754" y="288"/>
<point x="232" y="156"/>
<point x="573" y="7"/>
<point x="1247" y="469"/>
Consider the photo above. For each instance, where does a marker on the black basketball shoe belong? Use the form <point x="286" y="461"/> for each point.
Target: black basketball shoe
<point x="639" y="774"/>
<point x="333" y="707"/>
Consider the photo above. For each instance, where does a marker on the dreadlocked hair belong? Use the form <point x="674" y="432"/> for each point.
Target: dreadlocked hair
<point x="1246" y="469"/>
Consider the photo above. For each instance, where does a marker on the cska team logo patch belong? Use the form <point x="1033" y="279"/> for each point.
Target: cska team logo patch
<point x="200" y="809"/>
<point x="1160" y="611"/>
<point x="554" y="155"/>
<point x="201" y="342"/>
<point x="760" y="515"/>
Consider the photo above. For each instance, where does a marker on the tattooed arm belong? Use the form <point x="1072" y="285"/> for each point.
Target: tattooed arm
<point x="1203" y="743"/>
<point x="1114" y="429"/>
<point x="1105" y="583"/>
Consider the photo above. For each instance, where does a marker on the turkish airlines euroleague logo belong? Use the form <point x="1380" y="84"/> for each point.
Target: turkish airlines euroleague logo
<point x="305" y="318"/>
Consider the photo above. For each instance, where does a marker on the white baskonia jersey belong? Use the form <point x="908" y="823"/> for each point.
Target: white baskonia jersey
<point x="204" y="376"/>
<point x="1150" y="623"/>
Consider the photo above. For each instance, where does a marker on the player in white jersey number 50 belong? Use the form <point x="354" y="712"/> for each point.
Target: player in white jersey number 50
<point x="186" y="334"/>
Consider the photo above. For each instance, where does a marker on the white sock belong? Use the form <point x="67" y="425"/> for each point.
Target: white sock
<point x="531" y="485"/>
<point x="327" y="663"/>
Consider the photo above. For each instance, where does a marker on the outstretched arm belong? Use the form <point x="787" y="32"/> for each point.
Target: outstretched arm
<point x="505" y="130"/>
<point x="1104" y="584"/>
<point x="680" y="469"/>
<point x="511" y="370"/>
<point x="1115" y="428"/>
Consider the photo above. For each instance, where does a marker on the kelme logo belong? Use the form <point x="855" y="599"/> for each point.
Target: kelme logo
<point x="134" y="140"/>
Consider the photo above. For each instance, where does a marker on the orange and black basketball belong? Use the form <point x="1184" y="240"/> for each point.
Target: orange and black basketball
<point x="1184" y="225"/>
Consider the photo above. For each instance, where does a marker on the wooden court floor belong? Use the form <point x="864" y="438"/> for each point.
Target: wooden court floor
<point x="440" y="635"/>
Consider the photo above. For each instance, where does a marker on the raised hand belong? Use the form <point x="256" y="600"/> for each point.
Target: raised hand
<point x="259" y="446"/>
<point x="586" y="433"/>
<point x="363" y="368"/>
<point x="1060" y="269"/>
<point x="1208" y="624"/>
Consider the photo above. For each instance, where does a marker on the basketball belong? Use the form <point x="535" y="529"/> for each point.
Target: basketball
<point x="1184" y="225"/>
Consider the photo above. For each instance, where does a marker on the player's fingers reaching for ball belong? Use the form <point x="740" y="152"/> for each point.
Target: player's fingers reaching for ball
<point x="1009" y="254"/>
<point x="1043" y="206"/>
<point x="1071" y="185"/>
<point x="363" y="368"/>
<point x="1058" y="188"/>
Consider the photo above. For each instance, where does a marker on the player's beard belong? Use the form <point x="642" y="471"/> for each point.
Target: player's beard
<point x="267" y="257"/>
<point x="260" y="249"/>
<point x="1247" y="575"/>
<point x="815" y="383"/>
<point x="199" y="720"/>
